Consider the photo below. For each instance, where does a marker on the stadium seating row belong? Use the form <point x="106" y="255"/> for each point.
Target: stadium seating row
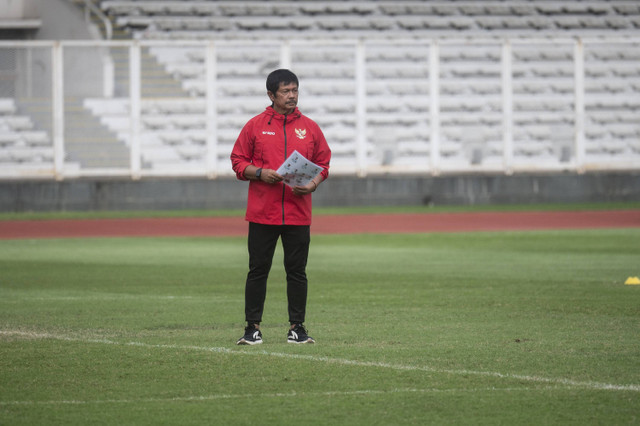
<point x="470" y="112"/>
<point x="168" y="134"/>
<point x="20" y="143"/>
<point x="259" y="19"/>
<point x="397" y="81"/>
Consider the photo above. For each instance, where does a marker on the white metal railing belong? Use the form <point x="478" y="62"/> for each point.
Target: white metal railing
<point x="358" y="162"/>
<point x="89" y="8"/>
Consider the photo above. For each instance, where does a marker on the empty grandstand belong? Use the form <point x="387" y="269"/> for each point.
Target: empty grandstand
<point x="161" y="87"/>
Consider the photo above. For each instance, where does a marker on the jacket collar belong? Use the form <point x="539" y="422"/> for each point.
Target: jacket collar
<point x="274" y="115"/>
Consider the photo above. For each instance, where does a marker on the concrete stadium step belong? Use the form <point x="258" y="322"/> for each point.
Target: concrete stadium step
<point x="90" y="143"/>
<point x="156" y="81"/>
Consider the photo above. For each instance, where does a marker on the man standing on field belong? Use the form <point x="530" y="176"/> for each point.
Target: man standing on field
<point x="275" y="210"/>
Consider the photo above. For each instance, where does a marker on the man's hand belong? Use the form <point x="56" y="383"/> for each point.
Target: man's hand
<point x="270" y="176"/>
<point x="304" y="190"/>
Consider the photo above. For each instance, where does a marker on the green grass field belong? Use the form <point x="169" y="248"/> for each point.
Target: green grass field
<point x="100" y="214"/>
<point x="479" y="328"/>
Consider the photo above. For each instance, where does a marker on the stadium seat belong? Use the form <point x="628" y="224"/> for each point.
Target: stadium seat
<point x="7" y="106"/>
<point x="397" y="74"/>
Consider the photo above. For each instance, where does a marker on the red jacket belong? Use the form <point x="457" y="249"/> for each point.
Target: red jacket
<point x="266" y="141"/>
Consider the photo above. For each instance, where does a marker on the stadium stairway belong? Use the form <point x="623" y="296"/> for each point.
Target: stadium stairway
<point x="90" y="143"/>
<point x="156" y="81"/>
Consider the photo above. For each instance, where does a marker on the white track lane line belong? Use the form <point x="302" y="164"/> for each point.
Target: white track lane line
<point x="340" y="361"/>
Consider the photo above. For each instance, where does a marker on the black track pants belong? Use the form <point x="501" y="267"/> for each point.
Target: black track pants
<point x="262" y="244"/>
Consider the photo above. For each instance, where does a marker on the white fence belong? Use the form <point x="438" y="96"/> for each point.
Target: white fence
<point x="174" y="108"/>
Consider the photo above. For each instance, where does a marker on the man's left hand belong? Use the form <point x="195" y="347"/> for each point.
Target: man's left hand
<point x="304" y="190"/>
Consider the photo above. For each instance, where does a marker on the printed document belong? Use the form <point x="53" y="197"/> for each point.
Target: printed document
<point x="297" y="170"/>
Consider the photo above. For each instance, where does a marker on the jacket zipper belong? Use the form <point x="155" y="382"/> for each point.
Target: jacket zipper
<point x="284" y="128"/>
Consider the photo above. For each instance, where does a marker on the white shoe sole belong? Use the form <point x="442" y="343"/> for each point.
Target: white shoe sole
<point x="299" y="343"/>
<point x="247" y="342"/>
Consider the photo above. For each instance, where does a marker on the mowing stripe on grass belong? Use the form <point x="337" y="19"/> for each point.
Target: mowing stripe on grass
<point x="341" y="361"/>
<point x="363" y="392"/>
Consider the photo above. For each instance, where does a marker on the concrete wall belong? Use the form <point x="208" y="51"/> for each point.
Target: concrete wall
<point x="19" y="9"/>
<point x="62" y="20"/>
<point x="83" y="74"/>
<point x="155" y="194"/>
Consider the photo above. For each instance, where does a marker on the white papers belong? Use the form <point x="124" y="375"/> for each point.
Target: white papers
<point x="297" y="170"/>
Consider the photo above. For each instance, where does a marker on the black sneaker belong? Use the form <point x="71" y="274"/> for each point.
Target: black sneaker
<point x="298" y="334"/>
<point x="252" y="336"/>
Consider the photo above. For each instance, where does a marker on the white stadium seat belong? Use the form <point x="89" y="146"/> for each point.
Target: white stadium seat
<point x="248" y="35"/>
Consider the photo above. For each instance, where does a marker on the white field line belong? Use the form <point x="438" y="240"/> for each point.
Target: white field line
<point x="117" y="297"/>
<point x="340" y="361"/>
<point x="265" y="395"/>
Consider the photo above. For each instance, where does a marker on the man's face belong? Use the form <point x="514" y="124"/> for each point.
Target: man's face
<point x="285" y="99"/>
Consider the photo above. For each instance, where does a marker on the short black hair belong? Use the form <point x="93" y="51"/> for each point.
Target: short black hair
<point x="280" y="76"/>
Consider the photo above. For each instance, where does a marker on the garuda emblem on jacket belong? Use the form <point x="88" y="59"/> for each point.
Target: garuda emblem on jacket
<point x="301" y="133"/>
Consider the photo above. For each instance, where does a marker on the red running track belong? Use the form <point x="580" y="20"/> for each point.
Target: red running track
<point x="325" y="224"/>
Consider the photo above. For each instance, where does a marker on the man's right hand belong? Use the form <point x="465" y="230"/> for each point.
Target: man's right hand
<point x="270" y="176"/>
